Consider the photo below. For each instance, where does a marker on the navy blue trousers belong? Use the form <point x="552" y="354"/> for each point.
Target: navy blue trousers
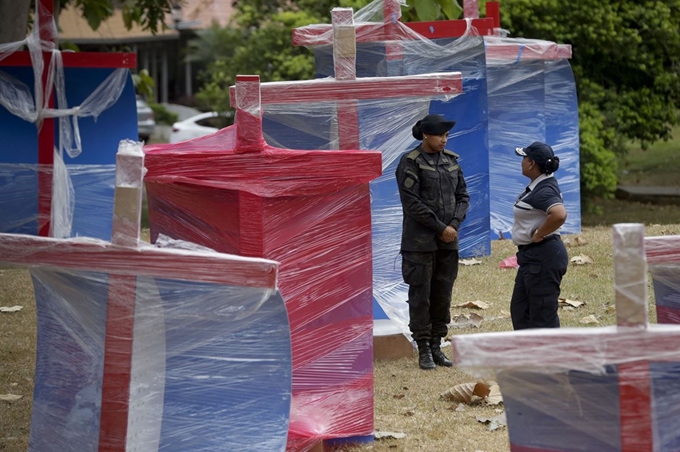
<point x="534" y="300"/>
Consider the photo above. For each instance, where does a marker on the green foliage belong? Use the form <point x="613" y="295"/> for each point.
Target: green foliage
<point x="214" y="94"/>
<point x="599" y="163"/>
<point x="150" y="14"/>
<point x="427" y="10"/>
<point x="162" y="115"/>
<point x="626" y="60"/>
<point x="144" y="83"/>
<point x="258" y="42"/>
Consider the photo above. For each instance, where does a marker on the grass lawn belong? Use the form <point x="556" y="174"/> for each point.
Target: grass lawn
<point x="657" y="166"/>
<point x="406" y="398"/>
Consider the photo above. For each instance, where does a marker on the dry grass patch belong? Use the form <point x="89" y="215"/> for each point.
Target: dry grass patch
<point x="17" y="357"/>
<point x="407" y="399"/>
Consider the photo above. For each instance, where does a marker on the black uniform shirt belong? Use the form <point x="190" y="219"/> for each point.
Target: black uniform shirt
<point x="433" y="196"/>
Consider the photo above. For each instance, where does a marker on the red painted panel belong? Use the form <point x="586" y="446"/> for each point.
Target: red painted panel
<point x="80" y="59"/>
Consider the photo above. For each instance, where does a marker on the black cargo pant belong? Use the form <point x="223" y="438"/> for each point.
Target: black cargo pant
<point x="534" y="300"/>
<point x="430" y="276"/>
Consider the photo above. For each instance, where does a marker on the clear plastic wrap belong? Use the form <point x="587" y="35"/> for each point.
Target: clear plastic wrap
<point x="142" y="348"/>
<point x="309" y="210"/>
<point x="16" y="96"/>
<point x="202" y="376"/>
<point x="26" y="95"/>
<point x="589" y="389"/>
<point x="386" y="47"/>
<point x="532" y="97"/>
<point x="523" y="100"/>
<point x="663" y="257"/>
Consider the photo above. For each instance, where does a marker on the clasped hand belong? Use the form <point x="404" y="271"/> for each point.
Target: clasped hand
<point x="449" y="235"/>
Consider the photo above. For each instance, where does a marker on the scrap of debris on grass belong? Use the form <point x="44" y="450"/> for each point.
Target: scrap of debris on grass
<point x="473" y="394"/>
<point x="509" y="262"/>
<point x="10" y="397"/>
<point x="477" y="304"/>
<point x="590" y="319"/>
<point x="388" y="435"/>
<point x="576" y="241"/>
<point x="572" y="303"/>
<point x="493" y="423"/>
<point x="581" y="259"/>
<point x="11" y="308"/>
<point x="466" y="262"/>
<point x="466" y="321"/>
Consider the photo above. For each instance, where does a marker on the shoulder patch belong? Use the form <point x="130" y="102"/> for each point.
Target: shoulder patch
<point x="413" y="154"/>
<point x="447" y="152"/>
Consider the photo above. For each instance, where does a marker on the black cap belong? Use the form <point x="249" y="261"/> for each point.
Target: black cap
<point x="539" y="152"/>
<point x="435" y="125"/>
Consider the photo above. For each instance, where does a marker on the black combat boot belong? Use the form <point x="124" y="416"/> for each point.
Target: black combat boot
<point x="425" y="356"/>
<point x="438" y="355"/>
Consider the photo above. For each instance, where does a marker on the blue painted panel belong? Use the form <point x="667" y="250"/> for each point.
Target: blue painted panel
<point x="567" y="412"/>
<point x="203" y="378"/>
<point x="532" y="101"/>
<point x="71" y="313"/>
<point x="562" y="133"/>
<point x="386" y="126"/>
<point x="516" y="118"/>
<point x="100" y="138"/>
<point x="227" y="388"/>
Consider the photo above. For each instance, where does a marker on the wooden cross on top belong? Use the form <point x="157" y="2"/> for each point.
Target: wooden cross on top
<point x="346" y="89"/>
<point x="392" y="29"/>
<point x="393" y="33"/>
<point x="46" y="134"/>
<point x="632" y="345"/>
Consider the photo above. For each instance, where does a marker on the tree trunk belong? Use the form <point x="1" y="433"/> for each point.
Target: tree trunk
<point x="13" y="20"/>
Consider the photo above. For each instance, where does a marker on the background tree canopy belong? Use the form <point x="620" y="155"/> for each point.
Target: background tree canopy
<point x="626" y="60"/>
<point x="626" y="57"/>
<point x="150" y="14"/>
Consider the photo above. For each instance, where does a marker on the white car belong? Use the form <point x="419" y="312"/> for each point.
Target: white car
<point x="145" y="122"/>
<point x="199" y="125"/>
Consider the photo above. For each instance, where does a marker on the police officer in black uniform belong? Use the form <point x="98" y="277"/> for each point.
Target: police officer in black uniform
<point x="542" y="257"/>
<point x="435" y="202"/>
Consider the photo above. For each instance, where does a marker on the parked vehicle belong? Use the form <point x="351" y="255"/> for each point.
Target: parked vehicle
<point x="199" y="125"/>
<point x="146" y="123"/>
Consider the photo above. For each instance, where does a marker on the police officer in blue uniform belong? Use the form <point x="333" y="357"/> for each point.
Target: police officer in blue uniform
<point x="542" y="257"/>
<point x="435" y="202"/>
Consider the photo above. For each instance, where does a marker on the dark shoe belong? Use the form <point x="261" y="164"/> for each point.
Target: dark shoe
<point x="425" y="356"/>
<point x="439" y="357"/>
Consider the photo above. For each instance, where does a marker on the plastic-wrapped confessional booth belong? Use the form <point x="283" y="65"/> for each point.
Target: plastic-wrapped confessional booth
<point x="57" y="159"/>
<point x="531" y="97"/>
<point x="308" y="210"/>
<point x="148" y="349"/>
<point x="386" y="125"/>
<point x="604" y="389"/>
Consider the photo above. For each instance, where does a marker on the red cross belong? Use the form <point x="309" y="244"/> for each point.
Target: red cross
<point x="258" y="173"/>
<point x="347" y="89"/>
<point x="46" y="130"/>
<point x="663" y="249"/>
<point x="631" y="345"/>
